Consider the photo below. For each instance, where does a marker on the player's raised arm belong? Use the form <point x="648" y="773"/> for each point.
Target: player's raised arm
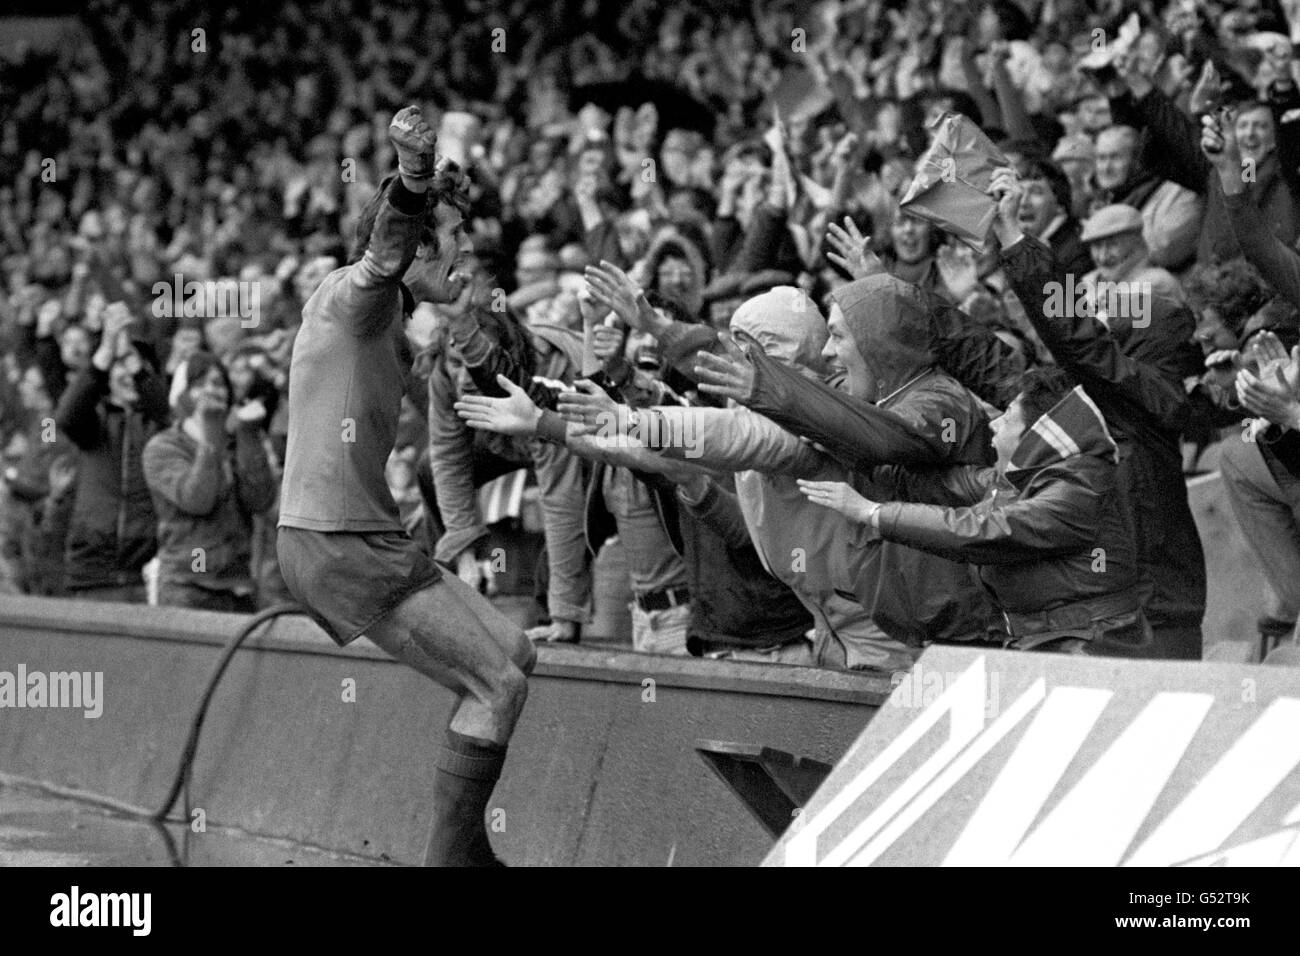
<point x="388" y="234"/>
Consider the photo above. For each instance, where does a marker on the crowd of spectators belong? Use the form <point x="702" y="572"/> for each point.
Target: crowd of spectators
<point x="821" y="484"/>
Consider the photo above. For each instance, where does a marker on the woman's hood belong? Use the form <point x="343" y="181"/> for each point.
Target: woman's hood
<point x="889" y="320"/>
<point x="787" y="324"/>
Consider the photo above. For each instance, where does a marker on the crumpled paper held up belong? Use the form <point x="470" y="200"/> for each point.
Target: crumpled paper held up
<point x="949" y="186"/>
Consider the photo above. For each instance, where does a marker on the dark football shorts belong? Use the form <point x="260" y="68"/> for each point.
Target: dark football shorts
<point x="350" y="580"/>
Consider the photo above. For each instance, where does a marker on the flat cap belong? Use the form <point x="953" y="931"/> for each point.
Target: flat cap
<point x="1074" y="147"/>
<point x="1111" y="221"/>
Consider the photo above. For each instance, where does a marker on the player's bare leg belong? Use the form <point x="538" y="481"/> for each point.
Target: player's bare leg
<point x="454" y="636"/>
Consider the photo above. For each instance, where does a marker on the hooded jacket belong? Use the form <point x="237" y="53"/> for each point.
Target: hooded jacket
<point x="671" y="241"/>
<point x="1050" y="536"/>
<point x="923" y="418"/>
<point x="812" y="549"/>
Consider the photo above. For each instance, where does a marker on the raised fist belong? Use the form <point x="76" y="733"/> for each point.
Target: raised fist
<point x="416" y="143"/>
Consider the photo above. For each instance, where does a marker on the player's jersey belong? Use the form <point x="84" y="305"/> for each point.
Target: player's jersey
<point x="345" y="389"/>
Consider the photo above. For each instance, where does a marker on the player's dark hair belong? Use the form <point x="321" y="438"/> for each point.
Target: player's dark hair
<point x="449" y="185"/>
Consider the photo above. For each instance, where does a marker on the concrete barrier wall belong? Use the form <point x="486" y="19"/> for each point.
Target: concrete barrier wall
<point x="601" y="771"/>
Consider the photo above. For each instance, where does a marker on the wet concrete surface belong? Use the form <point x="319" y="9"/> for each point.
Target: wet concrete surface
<point x="38" y="828"/>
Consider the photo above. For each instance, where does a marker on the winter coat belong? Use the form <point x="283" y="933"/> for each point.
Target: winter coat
<point x="206" y="500"/>
<point x="1135" y="376"/>
<point x="112" y="533"/>
<point x="1049" y="537"/>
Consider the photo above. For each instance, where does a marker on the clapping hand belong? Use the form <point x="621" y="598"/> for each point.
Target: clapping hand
<point x="1274" y="393"/>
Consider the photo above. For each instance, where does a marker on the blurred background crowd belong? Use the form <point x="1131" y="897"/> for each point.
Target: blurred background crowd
<point x="704" y="147"/>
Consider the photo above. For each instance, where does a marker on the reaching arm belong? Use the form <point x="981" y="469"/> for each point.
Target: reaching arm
<point x="365" y="298"/>
<point x="1011" y="102"/>
<point x="855" y="431"/>
<point x="1172" y="142"/>
<point x="1062" y="517"/>
<point x="1083" y="346"/>
<point x="485" y="360"/>
<point x="730" y="439"/>
<point x="363" y="301"/>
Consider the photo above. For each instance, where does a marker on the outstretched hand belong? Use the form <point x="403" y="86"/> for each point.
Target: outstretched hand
<point x="730" y="375"/>
<point x="614" y="289"/>
<point x="849" y="250"/>
<point x="839" y="496"/>
<point x="513" y="415"/>
<point x="588" y="406"/>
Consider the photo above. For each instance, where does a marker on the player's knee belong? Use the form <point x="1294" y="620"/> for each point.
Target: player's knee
<point x="510" y="691"/>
